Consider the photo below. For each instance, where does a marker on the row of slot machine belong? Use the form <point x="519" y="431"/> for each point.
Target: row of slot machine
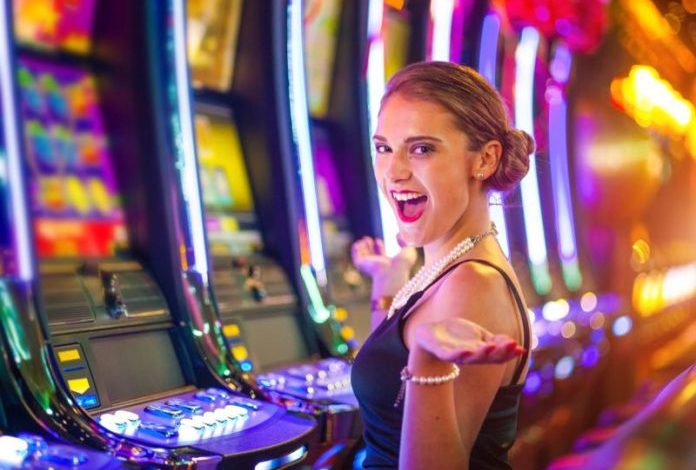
<point x="181" y="184"/>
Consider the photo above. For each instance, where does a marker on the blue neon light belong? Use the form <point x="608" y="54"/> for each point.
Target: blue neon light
<point x="488" y="53"/>
<point x="558" y="152"/>
<point x="299" y="118"/>
<point x="14" y="158"/>
<point x="488" y="59"/>
<point x="525" y="60"/>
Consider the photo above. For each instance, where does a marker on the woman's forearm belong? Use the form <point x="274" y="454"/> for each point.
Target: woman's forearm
<point x="430" y="436"/>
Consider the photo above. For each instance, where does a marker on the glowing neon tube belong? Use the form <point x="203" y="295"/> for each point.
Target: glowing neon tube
<point x="488" y="59"/>
<point x="299" y="118"/>
<point x="558" y="153"/>
<point x="525" y="59"/>
<point x="14" y="158"/>
<point x="190" y="187"/>
<point x="441" y="13"/>
<point x="375" y="90"/>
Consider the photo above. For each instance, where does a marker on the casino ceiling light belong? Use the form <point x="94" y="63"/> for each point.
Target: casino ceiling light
<point x="652" y="102"/>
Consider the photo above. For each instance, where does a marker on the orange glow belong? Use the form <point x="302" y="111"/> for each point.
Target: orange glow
<point x="653" y="102"/>
<point x="396" y="4"/>
<point x="649" y="18"/>
<point x="657" y="290"/>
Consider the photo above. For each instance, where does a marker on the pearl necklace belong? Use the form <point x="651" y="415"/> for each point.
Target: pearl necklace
<point x="427" y="274"/>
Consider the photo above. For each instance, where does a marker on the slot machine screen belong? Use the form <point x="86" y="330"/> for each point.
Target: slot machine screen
<point x="275" y="340"/>
<point x="74" y="199"/>
<point x="212" y="30"/>
<point x="52" y="24"/>
<point x="331" y="202"/>
<point x="230" y="217"/>
<point x="321" y="23"/>
<point x="138" y="364"/>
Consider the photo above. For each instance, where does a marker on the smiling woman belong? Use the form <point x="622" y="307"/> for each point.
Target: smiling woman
<point x="442" y="142"/>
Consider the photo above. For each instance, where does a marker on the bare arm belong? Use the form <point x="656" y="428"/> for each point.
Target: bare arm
<point x="441" y="422"/>
<point x="388" y="275"/>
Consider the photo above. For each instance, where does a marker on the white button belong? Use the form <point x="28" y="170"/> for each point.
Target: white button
<point x="127" y="415"/>
<point x="191" y="423"/>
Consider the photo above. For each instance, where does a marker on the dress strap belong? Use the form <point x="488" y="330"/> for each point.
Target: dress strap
<point x="511" y="285"/>
<point x="522" y="310"/>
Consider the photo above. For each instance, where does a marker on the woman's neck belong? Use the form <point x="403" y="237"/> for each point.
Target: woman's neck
<point x="475" y="221"/>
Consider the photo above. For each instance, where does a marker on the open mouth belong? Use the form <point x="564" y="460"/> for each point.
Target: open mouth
<point x="410" y="205"/>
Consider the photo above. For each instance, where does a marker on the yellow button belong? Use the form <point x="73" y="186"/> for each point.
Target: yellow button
<point x="69" y="355"/>
<point x="341" y="314"/>
<point x="230" y="331"/>
<point x="347" y="332"/>
<point x="240" y="353"/>
<point x="78" y="386"/>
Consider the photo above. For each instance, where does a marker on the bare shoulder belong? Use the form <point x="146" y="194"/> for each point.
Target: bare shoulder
<point x="474" y="291"/>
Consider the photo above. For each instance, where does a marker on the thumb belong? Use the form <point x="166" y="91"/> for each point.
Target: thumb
<point x="400" y="240"/>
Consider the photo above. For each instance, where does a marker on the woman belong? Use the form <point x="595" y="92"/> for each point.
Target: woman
<point x="442" y="143"/>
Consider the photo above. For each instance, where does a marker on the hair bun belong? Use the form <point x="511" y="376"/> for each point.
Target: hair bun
<point x="514" y="162"/>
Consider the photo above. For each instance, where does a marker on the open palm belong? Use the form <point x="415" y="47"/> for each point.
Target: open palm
<point x="465" y="342"/>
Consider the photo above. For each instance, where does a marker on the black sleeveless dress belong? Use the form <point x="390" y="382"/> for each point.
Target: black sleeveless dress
<point x="376" y="382"/>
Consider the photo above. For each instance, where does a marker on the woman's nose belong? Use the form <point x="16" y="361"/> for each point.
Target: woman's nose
<point x="398" y="168"/>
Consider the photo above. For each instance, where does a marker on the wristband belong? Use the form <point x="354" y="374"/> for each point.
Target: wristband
<point x="382" y="303"/>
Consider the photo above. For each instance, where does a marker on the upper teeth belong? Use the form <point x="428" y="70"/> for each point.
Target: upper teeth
<point x="406" y="196"/>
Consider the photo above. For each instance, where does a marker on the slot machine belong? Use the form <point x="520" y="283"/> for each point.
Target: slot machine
<point x="334" y="48"/>
<point x="108" y="317"/>
<point x="29" y="450"/>
<point x="275" y="323"/>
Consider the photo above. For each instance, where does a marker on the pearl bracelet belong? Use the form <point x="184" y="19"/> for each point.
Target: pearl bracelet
<point x="407" y="376"/>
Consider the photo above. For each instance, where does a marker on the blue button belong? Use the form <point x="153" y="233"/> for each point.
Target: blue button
<point x="160" y="430"/>
<point x="204" y="396"/>
<point x="190" y="407"/>
<point x="221" y="394"/>
<point x="164" y="411"/>
<point x="64" y="456"/>
<point x="87" y="401"/>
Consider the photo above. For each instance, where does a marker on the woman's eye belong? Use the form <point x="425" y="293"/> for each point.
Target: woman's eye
<point x="421" y="149"/>
<point x="381" y="148"/>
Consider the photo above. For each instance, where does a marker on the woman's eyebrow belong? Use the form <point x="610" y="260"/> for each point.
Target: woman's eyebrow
<point x="411" y="139"/>
<point x="422" y="137"/>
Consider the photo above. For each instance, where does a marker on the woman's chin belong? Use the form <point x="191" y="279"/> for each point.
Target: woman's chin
<point x="404" y="238"/>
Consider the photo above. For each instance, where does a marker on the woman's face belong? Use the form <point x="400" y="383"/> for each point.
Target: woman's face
<point x="423" y="168"/>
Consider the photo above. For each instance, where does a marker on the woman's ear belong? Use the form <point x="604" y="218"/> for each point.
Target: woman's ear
<point x="487" y="160"/>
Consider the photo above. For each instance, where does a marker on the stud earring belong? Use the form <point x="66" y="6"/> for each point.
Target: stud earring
<point x="479" y="175"/>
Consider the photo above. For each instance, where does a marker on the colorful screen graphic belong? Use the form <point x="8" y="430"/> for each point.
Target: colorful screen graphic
<point x="55" y="24"/>
<point x="396" y="33"/>
<point x="226" y="193"/>
<point x="212" y="30"/>
<point x="321" y="23"/>
<point x="75" y="203"/>
<point x="329" y="191"/>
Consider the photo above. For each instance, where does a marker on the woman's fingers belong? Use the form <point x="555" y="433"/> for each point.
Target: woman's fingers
<point x="464" y="342"/>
